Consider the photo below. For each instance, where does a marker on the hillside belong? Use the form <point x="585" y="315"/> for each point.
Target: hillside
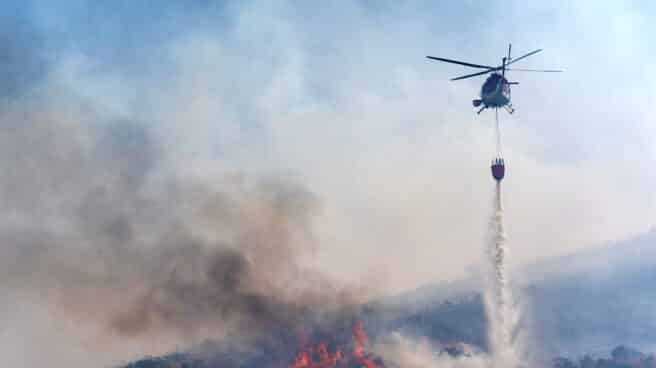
<point x="605" y="298"/>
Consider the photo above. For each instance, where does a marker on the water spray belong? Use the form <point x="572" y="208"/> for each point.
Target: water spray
<point x="498" y="298"/>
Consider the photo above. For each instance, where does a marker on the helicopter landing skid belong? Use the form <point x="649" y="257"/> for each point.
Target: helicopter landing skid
<point x="510" y="109"/>
<point x="481" y="110"/>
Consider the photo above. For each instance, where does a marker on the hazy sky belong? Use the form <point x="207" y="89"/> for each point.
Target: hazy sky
<point x="340" y="97"/>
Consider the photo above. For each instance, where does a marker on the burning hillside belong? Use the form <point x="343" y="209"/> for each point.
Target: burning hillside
<point x="327" y="355"/>
<point x="320" y="348"/>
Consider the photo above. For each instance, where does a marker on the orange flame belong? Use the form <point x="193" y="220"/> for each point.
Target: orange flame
<point x="360" y="342"/>
<point x="320" y="356"/>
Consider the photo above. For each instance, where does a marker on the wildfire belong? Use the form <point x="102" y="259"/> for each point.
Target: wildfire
<point x="320" y="356"/>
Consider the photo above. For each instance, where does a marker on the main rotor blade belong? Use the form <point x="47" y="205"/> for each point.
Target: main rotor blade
<point x="535" y="70"/>
<point x="524" y="56"/>
<point x="476" y="74"/>
<point x="460" y="62"/>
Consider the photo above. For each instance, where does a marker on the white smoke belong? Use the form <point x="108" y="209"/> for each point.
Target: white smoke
<point x="400" y="351"/>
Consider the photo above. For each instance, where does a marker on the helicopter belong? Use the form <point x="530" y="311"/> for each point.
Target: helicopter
<point x="495" y="92"/>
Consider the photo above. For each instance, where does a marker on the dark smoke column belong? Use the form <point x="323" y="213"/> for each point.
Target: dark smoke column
<point x="498" y="169"/>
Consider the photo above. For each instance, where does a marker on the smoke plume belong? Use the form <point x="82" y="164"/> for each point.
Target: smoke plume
<point x="98" y="229"/>
<point x="400" y="351"/>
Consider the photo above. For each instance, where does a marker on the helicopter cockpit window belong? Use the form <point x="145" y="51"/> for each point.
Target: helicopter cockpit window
<point x="490" y="84"/>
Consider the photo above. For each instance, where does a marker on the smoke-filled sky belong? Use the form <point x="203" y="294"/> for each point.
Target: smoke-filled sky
<point x="123" y="120"/>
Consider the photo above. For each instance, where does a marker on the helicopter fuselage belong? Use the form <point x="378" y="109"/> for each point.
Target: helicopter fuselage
<point x="495" y="92"/>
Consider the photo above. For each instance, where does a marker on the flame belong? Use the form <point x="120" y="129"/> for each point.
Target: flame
<point x="321" y="356"/>
<point x="360" y="342"/>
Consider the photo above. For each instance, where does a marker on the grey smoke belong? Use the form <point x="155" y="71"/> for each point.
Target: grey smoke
<point x="101" y="231"/>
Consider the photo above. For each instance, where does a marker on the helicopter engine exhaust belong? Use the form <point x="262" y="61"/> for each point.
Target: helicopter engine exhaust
<point x="477" y="103"/>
